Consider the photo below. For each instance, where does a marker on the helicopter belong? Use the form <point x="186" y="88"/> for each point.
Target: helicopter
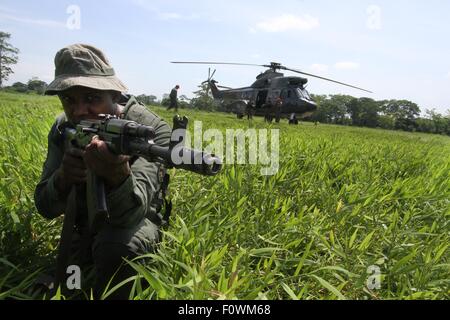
<point x="272" y="95"/>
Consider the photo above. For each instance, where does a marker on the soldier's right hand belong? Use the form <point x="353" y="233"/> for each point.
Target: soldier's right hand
<point x="72" y="170"/>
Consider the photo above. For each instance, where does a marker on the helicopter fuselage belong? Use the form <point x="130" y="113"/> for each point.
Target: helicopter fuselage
<point x="269" y="87"/>
<point x="272" y="94"/>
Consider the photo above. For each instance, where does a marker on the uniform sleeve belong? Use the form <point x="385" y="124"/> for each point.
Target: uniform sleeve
<point x="47" y="200"/>
<point x="134" y="199"/>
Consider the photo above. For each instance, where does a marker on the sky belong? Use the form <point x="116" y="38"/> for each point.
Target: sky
<point x="399" y="49"/>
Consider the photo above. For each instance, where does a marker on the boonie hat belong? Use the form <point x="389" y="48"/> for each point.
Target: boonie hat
<point x="86" y="66"/>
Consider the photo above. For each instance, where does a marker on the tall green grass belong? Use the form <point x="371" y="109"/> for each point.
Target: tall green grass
<point x="343" y="200"/>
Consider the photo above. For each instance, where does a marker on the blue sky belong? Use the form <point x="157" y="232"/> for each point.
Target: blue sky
<point x="399" y="49"/>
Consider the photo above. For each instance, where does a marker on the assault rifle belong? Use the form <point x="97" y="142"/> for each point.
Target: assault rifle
<point x="130" y="138"/>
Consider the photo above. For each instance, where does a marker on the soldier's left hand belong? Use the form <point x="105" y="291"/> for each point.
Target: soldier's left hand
<point x="114" y="169"/>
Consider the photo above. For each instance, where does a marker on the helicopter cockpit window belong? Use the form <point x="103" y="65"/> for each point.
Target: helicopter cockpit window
<point x="303" y="94"/>
<point x="306" y="94"/>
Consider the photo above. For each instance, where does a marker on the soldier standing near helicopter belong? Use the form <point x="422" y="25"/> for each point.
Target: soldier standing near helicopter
<point x="250" y="109"/>
<point x="278" y="106"/>
<point x="268" y="108"/>
<point x="173" y="98"/>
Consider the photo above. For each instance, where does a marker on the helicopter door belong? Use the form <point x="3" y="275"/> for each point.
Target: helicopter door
<point x="261" y="98"/>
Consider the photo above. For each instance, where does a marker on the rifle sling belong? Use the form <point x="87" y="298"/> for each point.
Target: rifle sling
<point x="65" y="242"/>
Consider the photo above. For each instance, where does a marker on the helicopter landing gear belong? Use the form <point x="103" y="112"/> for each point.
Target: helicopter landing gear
<point x="240" y="116"/>
<point x="293" y="119"/>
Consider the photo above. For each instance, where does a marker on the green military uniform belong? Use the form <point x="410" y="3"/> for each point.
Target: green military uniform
<point x="132" y="227"/>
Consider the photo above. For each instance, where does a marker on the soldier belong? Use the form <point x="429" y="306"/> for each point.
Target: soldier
<point x="250" y="109"/>
<point x="87" y="86"/>
<point x="278" y="106"/>
<point x="173" y="98"/>
<point x="268" y="110"/>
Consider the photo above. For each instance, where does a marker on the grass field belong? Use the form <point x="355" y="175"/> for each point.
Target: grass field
<point x="345" y="202"/>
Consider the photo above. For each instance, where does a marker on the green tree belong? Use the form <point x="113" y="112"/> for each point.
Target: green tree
<point x="403" y="111"/>
<point x="331" y="109"/>
<point x="364" y="112"/>
<point x="149" y="100"/>
<point x="8" y="57"/>
<point x="320" y="114"/>
<point x="203" y="99"/>
<point x="338" y="105"/>
<point x="440" y="123"/>
<point x="386" y="122"/>
<point x="184" y="102"/>
<point x="39" y="86"/>
<point x="19" y="87"/>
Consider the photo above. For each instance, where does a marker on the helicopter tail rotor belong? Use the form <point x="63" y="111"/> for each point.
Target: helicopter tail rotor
<point x="209" y="80"/>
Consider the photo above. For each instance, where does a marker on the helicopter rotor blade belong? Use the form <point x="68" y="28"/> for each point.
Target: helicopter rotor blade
<point x="273" y="66"/>
<point x="326" y="79"/>
<point x="212" y="75"/>
<point x="226" y="63"/>
<point x="209" y="74"/>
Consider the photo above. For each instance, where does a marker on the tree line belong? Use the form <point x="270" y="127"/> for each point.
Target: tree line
<point x="34" y="85"/>
<point x="332" y="109"/>
<point x="386" y="114"/>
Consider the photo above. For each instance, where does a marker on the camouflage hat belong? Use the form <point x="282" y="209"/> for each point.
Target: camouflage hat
<point x="86" y="66"/>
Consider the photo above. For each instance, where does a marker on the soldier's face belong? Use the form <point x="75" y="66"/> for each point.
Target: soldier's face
<point x="82" y="103"/>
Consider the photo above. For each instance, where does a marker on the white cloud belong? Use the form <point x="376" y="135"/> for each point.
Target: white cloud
<point x="448" y="75"/>
<point x="319" y="68"/>
<point x="288" y="22"/>
<point x="347" y="65"/>
<point x="39" y="22"/>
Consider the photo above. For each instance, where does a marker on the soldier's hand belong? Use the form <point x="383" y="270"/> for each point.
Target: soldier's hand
<point x="72" y="170"/>
<point x="114" y="169"/>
